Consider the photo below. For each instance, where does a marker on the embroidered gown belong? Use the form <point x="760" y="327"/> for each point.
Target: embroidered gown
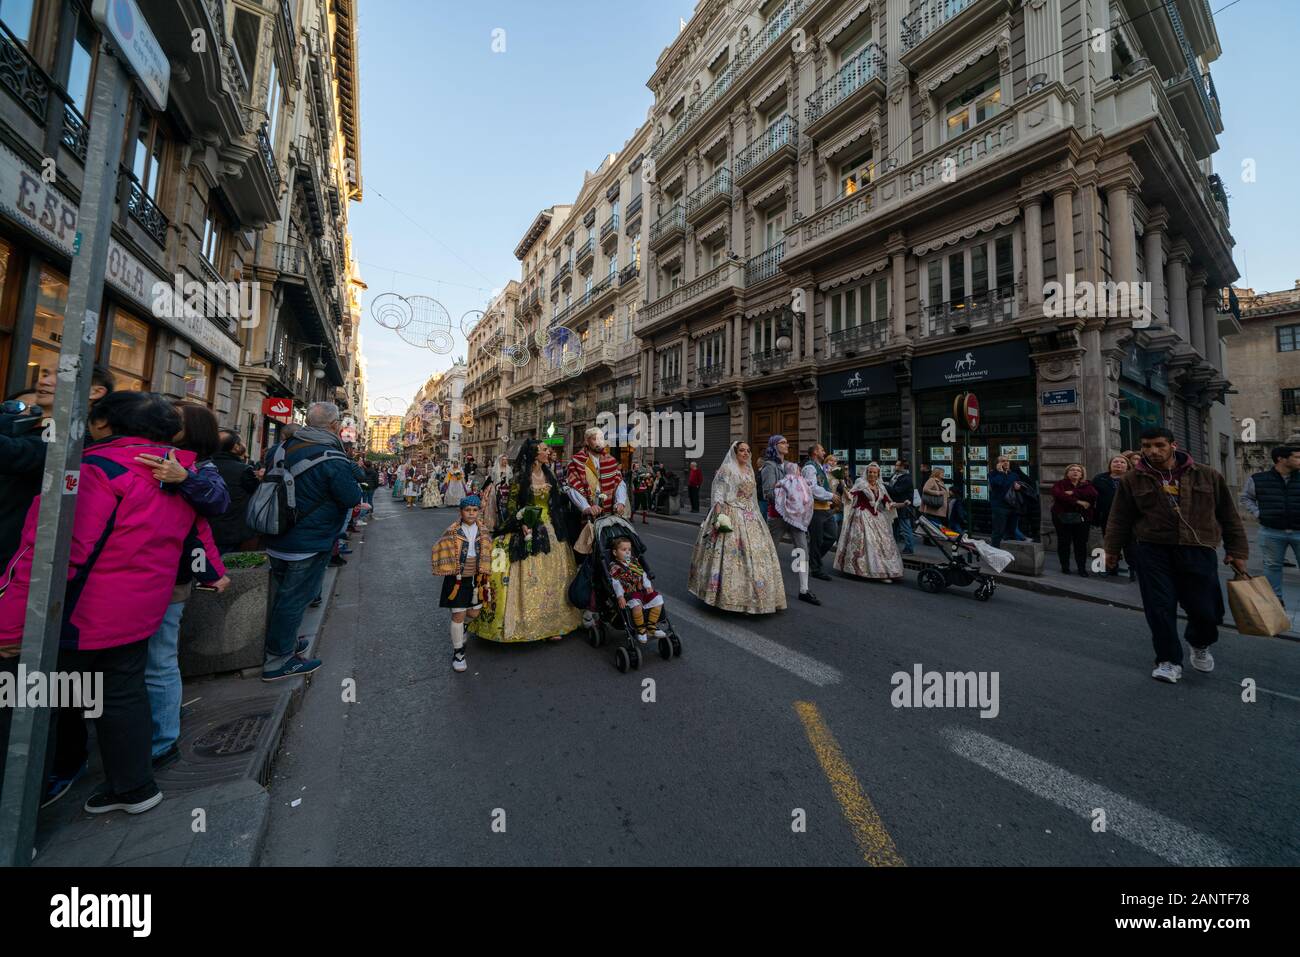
<point x="530" y="600"/>
<point x="737" y="570"/>
<point x="432" y="497"/>
<point x="455" y="488"/>
<point x="867" y="548"/>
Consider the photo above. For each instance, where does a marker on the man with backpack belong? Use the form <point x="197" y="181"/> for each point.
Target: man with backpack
<point x="309" y="489"/>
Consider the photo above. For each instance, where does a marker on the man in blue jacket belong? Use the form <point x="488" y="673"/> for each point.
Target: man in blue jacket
<point x="324" y="495"/>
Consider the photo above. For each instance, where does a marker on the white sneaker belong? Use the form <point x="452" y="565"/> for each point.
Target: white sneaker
<point x="641" y="638"/>
<point x="1167" y="671"/>
<point x="1202" y="660"/>
<point x="660" y="633"/>
<point x="458" y="662"/>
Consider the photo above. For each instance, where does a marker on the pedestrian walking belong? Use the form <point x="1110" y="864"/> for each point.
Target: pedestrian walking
<point x="1107" y="484"/>
<point x="326" y="490"/>
<point x="820" y="527"/>
<point x="868" y="549"/>
<point x="694" y="479"/>
<point x="901" y="492"/>
<point x="1273" y="497"/>
<point x="1177" y="513"/>
<point x="1073" y="501"/>
<point x="773" y="471"/>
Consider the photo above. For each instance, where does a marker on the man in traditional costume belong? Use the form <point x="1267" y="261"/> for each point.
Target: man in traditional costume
<point x="595" y="487"/>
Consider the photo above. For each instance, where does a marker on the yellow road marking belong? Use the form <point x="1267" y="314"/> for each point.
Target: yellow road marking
<point x="868" y="829"/>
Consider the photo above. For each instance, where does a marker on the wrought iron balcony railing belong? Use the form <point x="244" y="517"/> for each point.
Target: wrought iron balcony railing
<point x="765" y="265"/>
<point x="865" y="66"/>
<point x="864" y="336"/>
<point x="634" y="206"/>
<point x="586" y="251"/>
<point x="717" y="186"/>
<point x="769" y="359"/>
<point x="669" y="384"/>
<point x="145" y="212"/>
<point x="268" y="156"/>
<point x="711" y="374"/>
<point x="76" y="132"/>
<point x="610" y="227"/>
<point x="784" y="132"/>
<point x="927" y="16"/>
<point x="674" y="219"/>
<point x="628" y="273"/>
<point x="980" y="309"/>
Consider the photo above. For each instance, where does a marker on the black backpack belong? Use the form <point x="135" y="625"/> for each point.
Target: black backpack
<point x="272" y="508"/>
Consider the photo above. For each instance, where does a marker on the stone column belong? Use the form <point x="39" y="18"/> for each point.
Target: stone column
<point x="1195" y="316"/>
<point x="1213" y="346"/>
<point x="1153" y="255"/>
<point x="899" y="102"/>
<point x="1176" y="283"/>
<point x="809" y="317"/>
<point x="1063" y="208"/>
<point x="898" y="294"/>
<point x="1033" y="212"/>
<point x="737" y="326"/>
<point x="1123" y="232"/>
<point x="804" y="203"/>
<point x="1043" y="38"/>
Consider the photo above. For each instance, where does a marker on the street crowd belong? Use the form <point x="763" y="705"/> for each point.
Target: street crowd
<point x="538" y="550"/>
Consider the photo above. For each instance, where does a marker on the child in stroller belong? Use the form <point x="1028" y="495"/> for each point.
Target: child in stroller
<point x="625" y="597"/>
<point x="962" y="561"/>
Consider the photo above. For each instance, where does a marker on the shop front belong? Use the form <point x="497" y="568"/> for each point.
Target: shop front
<point x="666" y="435"/>
<point x="1143" y="393"/>
<point x="861" y="417"/>
<point x="966" y="437"/>
<point x="711" y="423"/>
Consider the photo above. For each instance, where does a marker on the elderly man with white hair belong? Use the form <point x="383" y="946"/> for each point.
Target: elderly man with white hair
<point x="595" y="481"/>
<point x="325" y="491"/>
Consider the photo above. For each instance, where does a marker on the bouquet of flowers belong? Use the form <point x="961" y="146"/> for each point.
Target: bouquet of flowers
<point x="529" y="517"/>
<point x="722" y="524"/>
<point x="838" y="473"/>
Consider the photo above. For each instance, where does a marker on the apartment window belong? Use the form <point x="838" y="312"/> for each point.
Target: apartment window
<point x="18" y="16"/>
<point x="855" y="45"/>
<point x="588" y="285"/>
<point x="1290" y="401"/>
<point x="972" y="106"/>
<point x="636" y="250"/>
<point x="858" y="305"/>
<point x="773" y="229"/>
<point x="972" y="271"/>
<point x="1287" y="337"/>
<point x="713" y="255"/>
<point x="613" y="266"/>
<point x="670" y="363"/>
<point x="81" y="70"/>
<point x="149" y="151"/>
<point x="763" y="334"/>
<point x="856" y="174"/>
<point x="674" y="278"/>
<point x="613" y="208"/>
<point x="211" y="237"/>
<point x="244" y="32"/>
<point x="711" y="351"/>
<point x="274" y="97"/>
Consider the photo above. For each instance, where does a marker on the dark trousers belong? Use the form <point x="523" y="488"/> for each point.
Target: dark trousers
<point x="819" y="531"/>
<point x="694" y="491"/>
<point x="1006" y="524"/>
<point x="1071" y="538"/>
<point x="1173" y="575"/>
<point x="124" y="729"/>
<point x="293" y="586"/>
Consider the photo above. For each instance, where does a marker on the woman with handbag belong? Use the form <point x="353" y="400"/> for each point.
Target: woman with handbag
<point x="1008" y="489"/>
<point x="1073" y="500"/>
<point x="935" y="495"/>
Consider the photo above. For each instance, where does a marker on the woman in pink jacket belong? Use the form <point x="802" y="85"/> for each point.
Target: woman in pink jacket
<point x="128" y="537"/>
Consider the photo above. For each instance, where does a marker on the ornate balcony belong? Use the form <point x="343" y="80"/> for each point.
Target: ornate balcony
<point x="709" y="196"/>
<point x="715" y="285"/>
<point x="769" y="360"/>
<point x="608" y="229"/>
<point x="765" y="265"/>
<point x="586" y="254"/>
<point x="855" y="340"/>
<point x="628" y="274"/>
<point x="76" y="132"/>
<point x="668" y="228"/>
<point x="848" y="91"/>
<point x="143" y="210"/>
<point x="669" y="385"/>
<point x="976" y="311"/>
<point x="268" y="157"/>
<point x="711" y="374"/>
<point x="933" y="27"/>
<point x="775" y="146"/>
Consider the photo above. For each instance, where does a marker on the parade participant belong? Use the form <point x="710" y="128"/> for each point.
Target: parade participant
<point x="456" y="557"/>
<point x="432" y="496"/>
<point x="825" y="502"/>
<point x="635" y="591"/>
<point x="454" y="490"/>
<point x="411" y="491"/>
<point x="400" y="480"/>
<point x="643" y="481"/>
<point x="773" y="471"/>
<point x="532" y="563"/>
<point x="595" y="484"/>
<point x="694" y="479"/>
<point x="495" y="490"/>
<point x="793" y="499"/>
<point x="734" y="565"/>
<point x="868" y="549"/>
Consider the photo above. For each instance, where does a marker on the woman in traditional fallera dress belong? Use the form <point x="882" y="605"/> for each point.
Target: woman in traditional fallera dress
<point x="454" y="490"/>
<point x="735" y="566"/>
<point x="867" y="548"/>
<point x="432" y="497"/>
<point x="532" y="561"/>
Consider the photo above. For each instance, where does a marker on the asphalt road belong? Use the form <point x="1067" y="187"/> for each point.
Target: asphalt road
<point x="774" y="740"/>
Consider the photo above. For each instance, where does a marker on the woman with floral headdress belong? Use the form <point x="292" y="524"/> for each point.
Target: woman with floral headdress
<point x="734" y="565"/>
<point x="867" y="548"/>
<point x="532" y="563"/>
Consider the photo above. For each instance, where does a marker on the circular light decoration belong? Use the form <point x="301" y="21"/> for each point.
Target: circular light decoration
<point x="515" y="349"/>
<point x="467" y="419"/>
<point x="563" y="351"/>
<point x="382" y="405"/>
<point x="391" y="310"/>
<point x="429" y="326"/>
<point x="469" y="321"/>
<point x="430" y="410"/>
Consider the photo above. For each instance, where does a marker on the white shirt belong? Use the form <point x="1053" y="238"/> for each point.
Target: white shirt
<point x="471" y="534"/>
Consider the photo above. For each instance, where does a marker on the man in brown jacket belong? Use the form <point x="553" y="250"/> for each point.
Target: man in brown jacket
<point x="1176" y="513"/>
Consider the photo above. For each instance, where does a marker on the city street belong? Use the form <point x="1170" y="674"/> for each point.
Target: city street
<point x="545" y="754"/>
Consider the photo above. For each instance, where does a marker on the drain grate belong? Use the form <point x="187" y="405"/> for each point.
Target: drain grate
<point x="233" y="737"/>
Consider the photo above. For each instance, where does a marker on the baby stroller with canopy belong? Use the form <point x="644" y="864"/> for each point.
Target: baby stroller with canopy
<point x="961" y="566"/>
<point x="607" y="614"/>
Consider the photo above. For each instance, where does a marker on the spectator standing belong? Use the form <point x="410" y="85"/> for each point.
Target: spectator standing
<point x="1177" y="513"/>
<point x="230" y="529"/>
<point x="325" y="494"/>
<point x="935" y="495"/>
<point x="1273" y="497"/>
<point x="900" y="489"/>
<point x="1074" y="499"/>
<point x="1107" y="484"/>
<point x="694" y="479"/>
<point x="1008" y="495"/>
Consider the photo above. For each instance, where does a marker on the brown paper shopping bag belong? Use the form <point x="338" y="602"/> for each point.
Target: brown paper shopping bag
<point x="1255" y="608"/>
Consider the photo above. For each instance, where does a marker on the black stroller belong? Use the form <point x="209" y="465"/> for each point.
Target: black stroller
<point x="962" y="565"/>
<point x="607" y="614"/>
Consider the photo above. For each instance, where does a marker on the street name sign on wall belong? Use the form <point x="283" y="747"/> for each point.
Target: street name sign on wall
<point x="1057" y="397"/>
<point x="130" y="34"/>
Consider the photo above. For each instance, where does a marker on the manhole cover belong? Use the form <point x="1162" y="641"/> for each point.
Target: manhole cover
<point x="233" y="737"/>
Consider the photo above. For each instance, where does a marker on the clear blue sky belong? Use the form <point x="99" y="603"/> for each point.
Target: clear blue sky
<point x="457" y="138"/>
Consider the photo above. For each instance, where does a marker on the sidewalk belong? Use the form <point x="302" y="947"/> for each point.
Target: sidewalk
<point x="216" y="806"/>
<point x="1119" y="591"/>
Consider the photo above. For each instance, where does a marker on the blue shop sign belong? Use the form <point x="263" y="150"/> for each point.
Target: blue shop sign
<point x="857" y="383"/>
<point x="966" y="367"/>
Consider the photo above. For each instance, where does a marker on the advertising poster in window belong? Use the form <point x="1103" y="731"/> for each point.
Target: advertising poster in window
<point x="977" y="453"/>
<point x="1016" y="453"/>
<point x="979" y="473"/>
<point x="941" y="453"/>
<point x="979" y="493"/>
<point x="862" y="455"/>
<point x="841" y="454"/>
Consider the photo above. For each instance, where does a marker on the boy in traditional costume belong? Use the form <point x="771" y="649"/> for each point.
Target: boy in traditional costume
<point x="463" y="556"/>
<point x="635" y="591"/>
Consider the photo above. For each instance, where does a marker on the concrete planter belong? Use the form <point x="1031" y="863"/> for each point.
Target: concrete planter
<point x="1030" y="557"/>
<point x="226" y="632"/>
